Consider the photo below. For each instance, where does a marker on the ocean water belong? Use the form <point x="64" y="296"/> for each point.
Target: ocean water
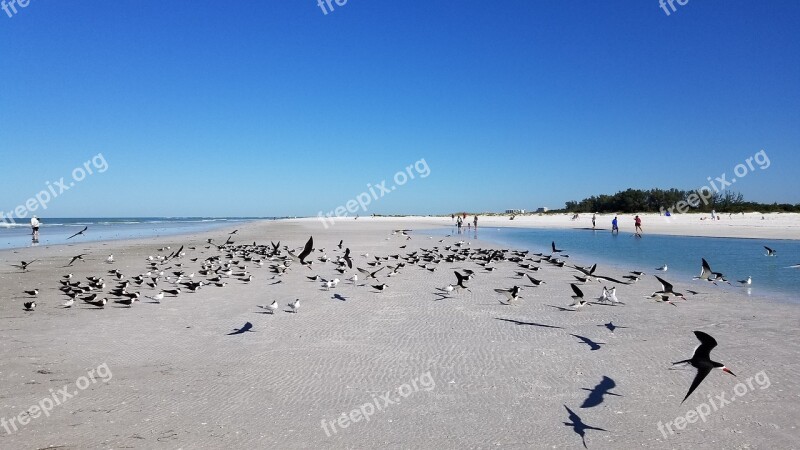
<point x="736" y="258"/>
<point x="57" y="230"/>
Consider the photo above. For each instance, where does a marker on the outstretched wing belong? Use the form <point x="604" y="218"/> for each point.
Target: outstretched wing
<point x="307" y="250"/>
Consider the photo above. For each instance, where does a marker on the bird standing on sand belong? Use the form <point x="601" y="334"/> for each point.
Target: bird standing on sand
<point x="746" y="282"/>
<point x="29" y="306"/>
<point x="272" y="307"/>
<point x="295" y="305"/>
<point x="701" y="360"/>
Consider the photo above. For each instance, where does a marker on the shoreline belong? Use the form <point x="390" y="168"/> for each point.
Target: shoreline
<point x="508" y="371"/>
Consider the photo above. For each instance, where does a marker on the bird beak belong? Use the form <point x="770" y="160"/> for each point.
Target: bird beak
<point x="725" y="369"/>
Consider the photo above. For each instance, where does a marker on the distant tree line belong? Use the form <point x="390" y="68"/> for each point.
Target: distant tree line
<point x="675" y="201"/>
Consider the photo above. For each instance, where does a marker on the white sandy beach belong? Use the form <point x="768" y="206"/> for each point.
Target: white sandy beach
<point x="468" y="371"/>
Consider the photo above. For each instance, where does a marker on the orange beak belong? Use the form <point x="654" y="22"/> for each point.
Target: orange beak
<point x="725" y="369"/>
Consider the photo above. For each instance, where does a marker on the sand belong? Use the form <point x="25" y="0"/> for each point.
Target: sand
<point x="473" y="372"/>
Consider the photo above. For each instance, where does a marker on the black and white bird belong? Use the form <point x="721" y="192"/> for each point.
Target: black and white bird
<point x="33" y="293"/>
<point x="309" y="247"/>
<point x="666" y="290"/>
<point x="79" y="233"/>
<point x="553" y="246"/>
<point x="662" y="268"/>
<point x="69" y="303"/>
<point x="29" y="306"/>
<point x="534" y="281"/>
<point x="577" y="299"/>
<point x="701" y="360"/>
<point x="295" y="305"/>
<point x="23" y="265"/>
<point x="512" y="294"/>
<point x="77" y="258"/>
<point x="747" y="282"/>
<point x="770" y="252"/>
<point x="380" y="287"/>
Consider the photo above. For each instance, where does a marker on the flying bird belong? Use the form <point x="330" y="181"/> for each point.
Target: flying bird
<point x="770" y="252"/>
<point x="701" y="360"/>
<point x="79" y="233"/>
<point x="24" y="265"/>
<point x="77" y="258"/>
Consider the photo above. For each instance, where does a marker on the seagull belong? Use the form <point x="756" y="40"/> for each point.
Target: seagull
<point x="511" y="294"/>
<point x="33" y="293"/>
<point x="578" y="301"/>
<point x="69" y="303"/>
<point x="29" y="306"/>
<point x="770" y="252"/>
<point x="158" y="297"/>
<point x="272" y="307"/>
<point x="662" y="268"/>
<point x="110" y="259"/>
<point x="354" y="278"/>
<point x="746" y="282"/>
<point x="612" y="295"/>
<point x="701" y="360"/>
<point x="295" y="305"/>
<point x="79" y="233"/>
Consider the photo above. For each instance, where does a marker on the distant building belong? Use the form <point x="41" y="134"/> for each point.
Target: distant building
<point x="515" y="211"/>
<point x="542" y="209"/>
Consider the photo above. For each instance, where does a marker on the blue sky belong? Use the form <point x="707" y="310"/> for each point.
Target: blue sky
<point x="274" y="108"/>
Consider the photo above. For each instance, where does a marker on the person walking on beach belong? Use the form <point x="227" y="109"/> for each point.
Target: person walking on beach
<point x="637" y="221"/>
<point x="594" y="218"/>
<point x="614" y="226"/>
<point x="35" y="227"/>
<point x="475" y="222"/>
<point x="458" y="224"/>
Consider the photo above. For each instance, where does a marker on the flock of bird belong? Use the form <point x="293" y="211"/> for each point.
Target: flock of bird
<point x="167" y="273"/>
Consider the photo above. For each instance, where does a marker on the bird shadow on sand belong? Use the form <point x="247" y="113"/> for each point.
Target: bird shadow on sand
<point x="592" y="344"/>
<point x="597" y="393"/>
<point x="339" y="297"/>
<point x="611" y="327"/>
<point x="562" y="309"/>
<point x="578" y="426"/>
<point x="533" y="324"/>
<point x="247" y="327"/>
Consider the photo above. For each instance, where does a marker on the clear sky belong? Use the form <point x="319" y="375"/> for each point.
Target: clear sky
<point x="273" y="108"/>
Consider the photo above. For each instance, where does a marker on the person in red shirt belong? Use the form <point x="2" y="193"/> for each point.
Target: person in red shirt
<point x="638" y="223"/>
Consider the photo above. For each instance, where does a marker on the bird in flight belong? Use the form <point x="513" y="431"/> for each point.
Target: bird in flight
<point x="79" y="233"/>
<point x="701" y="360"/>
